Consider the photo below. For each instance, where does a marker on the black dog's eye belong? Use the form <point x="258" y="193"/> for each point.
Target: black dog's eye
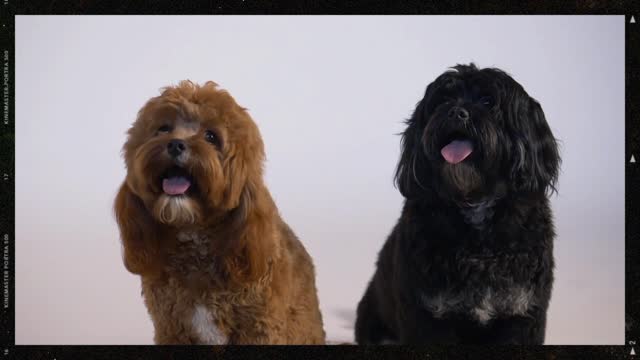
<point x="442" y="100"/>
<point x="486" y="101"/>
<point x="212" y="137"/>
<point x="164" y="128"/>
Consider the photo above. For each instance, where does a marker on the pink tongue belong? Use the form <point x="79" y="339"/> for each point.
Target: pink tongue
<point x="175" y="185"/>
<point x="456" y="151"/>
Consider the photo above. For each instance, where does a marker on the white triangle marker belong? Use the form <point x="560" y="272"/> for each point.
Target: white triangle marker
<point x="633" y="352"/>
<point x="633" y="20"/>
<point x="633" y="159"/>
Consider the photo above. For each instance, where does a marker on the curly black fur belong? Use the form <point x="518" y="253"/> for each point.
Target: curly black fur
<point x="471" y="257"/>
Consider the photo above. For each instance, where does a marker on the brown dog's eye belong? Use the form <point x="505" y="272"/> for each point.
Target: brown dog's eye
<point x="211" y="137"/>
<point x="164" y="128"/>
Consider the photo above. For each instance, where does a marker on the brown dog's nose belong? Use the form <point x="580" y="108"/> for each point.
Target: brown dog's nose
<point x="175" y="147"/>
<point x="458" y="113"/>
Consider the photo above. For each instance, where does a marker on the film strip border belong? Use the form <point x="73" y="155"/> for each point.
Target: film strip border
<point x="7" y="233"/>
<point x="632" y="183"/>
<point x="7" y="178"/>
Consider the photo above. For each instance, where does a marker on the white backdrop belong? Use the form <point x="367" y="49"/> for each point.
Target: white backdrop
<point x="328" y="94"/>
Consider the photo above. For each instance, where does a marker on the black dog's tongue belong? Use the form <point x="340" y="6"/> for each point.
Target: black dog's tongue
<point x="456" y="151"/>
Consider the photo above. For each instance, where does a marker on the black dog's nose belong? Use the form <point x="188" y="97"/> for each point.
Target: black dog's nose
<point x="459" y="113"/>
<point x="175" y="147"/>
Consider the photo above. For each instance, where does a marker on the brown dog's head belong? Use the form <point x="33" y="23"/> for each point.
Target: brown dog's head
<point x="194" y="157"/>
<point x="192" y="151"/>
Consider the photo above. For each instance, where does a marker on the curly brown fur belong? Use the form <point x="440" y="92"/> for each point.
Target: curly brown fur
<point x="218" y="264"/>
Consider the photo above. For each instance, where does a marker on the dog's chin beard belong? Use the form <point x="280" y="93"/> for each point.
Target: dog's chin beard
<point x="459" y="181"/>
<point x="462" y="180"/>
<point x="176" y="210"/>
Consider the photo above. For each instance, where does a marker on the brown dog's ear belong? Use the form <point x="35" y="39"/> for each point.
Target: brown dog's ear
<point x="252" y="228"/>
<point x="138" y="232"/>
<point x="243" y="164"/>
<point x="246" y="257"/>
<point x="236" y="177"/>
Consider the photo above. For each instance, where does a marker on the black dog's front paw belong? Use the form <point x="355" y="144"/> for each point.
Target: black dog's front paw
<point x="369" y="327"/>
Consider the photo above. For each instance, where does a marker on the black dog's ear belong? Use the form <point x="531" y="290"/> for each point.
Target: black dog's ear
<point x="412" y="164"/>
<point x="413" y="170"/>
<point x="535" y="149"/>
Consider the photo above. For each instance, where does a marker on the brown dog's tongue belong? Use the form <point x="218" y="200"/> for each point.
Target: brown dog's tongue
<point x="456" y="151"/>
<point x="176" y="185"/>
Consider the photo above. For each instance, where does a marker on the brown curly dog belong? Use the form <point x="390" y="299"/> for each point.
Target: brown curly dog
<point x="218" y="264"/>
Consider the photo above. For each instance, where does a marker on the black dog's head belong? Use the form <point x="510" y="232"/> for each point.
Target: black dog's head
<point x="475" y="135"/>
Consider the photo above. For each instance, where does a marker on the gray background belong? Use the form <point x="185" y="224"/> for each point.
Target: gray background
<point x="328" y="94"/>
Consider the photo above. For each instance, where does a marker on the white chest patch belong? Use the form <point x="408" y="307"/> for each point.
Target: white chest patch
<point x="481" y="307"/>
<point x="205" y="329"/>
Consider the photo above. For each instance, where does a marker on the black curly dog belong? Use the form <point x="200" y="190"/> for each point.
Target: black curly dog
<point x="471" y="258"/>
